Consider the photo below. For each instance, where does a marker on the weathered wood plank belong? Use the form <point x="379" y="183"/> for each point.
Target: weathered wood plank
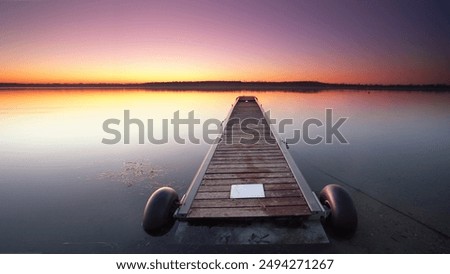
<point x="279" y="211"/>
<point x="248" y="142"/>
<point x="262" y="202"/>
<point x="257" y="153"/>
<point x="223" y="144"/>
<point x="231" y="152"/>
<point x="249" y="136"/>
<point x="239" y="160"/>
<point x="247" y="161"/>
<point x="259" y="160"/>
<point x="255" y="138"/>
<point x="236" y="145"/>
<point x="247" y="154"/>
<point x="249" y="148"/>
<point x="251" y="122"/>
<point x="249" y="158"/>
<point x="246" y="170"/>
<point x="244" y="146"/>
<point x="247" y="132"/>
<point x="269" y="194"/>
<point x="267" y="187"/>
<point x="247" y="165"/>
<point x="256" y="149"/>
<point x="249" y="181"/>
<point x="248" y="175"/>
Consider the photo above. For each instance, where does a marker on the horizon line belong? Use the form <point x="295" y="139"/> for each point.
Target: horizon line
<point x="316" y="83"/>
<point x="293" y="86"/>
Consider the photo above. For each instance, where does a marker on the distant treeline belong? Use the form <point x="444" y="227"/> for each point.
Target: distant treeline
<point x="236" y="86"/>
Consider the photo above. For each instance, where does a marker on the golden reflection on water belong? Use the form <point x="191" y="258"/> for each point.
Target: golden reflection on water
<point x="74" y="118"/>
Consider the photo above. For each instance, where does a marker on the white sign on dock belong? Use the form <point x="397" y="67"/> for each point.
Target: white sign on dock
<point x="247" y="191"/>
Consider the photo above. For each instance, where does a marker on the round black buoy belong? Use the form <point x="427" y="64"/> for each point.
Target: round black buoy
<point x="159" y="210"/>
<point x="342" y="217"/>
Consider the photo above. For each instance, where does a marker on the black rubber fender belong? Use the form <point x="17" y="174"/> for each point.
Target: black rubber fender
<point x="342" y="217"/>
<point x="159" y="210"/>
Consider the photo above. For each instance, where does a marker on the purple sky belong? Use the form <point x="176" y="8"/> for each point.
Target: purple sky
<point x="390" y="42"/>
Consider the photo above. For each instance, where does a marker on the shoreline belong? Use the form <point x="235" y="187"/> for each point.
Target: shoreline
<point x="302" y="86"/>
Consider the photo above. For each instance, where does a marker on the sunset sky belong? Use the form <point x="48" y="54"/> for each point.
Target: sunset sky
<point x="387" y="42"/>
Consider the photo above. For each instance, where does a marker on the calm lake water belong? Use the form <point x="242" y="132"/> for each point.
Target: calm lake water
<point x="63" y="190"/>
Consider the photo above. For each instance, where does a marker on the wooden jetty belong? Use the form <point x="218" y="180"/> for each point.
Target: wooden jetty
<point x="248" y="173"/>
<point x="249" y="190"/>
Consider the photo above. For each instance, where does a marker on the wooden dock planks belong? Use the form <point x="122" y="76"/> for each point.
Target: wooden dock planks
<point x="248" y="154"/>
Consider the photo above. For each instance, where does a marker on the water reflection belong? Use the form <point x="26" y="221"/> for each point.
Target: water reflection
<point x="62" y="190"/>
